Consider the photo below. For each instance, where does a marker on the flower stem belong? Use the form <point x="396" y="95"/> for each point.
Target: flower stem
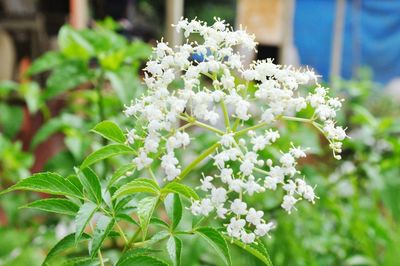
<point x="298" y="119"/>
<point x="203" y="125"/>
<point x="226" y="115"/>
<point x="245" y="130"/>
<point x="200" y="158"/>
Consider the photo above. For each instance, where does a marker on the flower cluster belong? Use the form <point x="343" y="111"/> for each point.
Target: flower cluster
<point x="214" y="91"/>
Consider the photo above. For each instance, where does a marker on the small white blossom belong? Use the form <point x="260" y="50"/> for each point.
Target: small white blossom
<point x="239" y="207"/>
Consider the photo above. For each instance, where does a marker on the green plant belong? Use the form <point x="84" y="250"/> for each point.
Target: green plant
<point x="126" y="214"/>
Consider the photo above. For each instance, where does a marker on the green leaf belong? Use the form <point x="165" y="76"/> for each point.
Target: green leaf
<point x="217" y="241"/>
<point x="145" y="210"/>
<point x="173" y="207"/>
<point x="133" y="253"/>
<point x="141" y="260"/>
<point x="73" y="44"/>
<point x="103" y="228"/>
<point x="158" y="221"/>
<point x="52" y="126"/>
<point x="50" y="183"/>
<point x="11" y="119"/>
<point x="63" y="244"/>
<point x="110" y="130"/>
<point x="31" y="93"/>
<point x="91" y="184"/>
<point x="65" y="77"/>
<point x="174" y="248"/>
<point x="81" y="261"/>
<point x="120" y="172"/>
<point x="62" y="206"/>
<point x="48" y="61"/>
<point x="106" y="152"/>
<point x="136" y="186"/>
<point x="83" y="217"/>
<point x="175" y="187"/>
<point x="257" y="249"/>
<point x="127" y="218"/>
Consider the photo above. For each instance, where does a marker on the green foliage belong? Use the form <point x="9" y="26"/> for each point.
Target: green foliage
<point x="174" y="248"/>
<point x="173" y="207"/>
<point x="50" y="183"/>
<point x="110" y="131"/>
<point x="217" y="241"/>
<point x="106" y="152"/>
<point x="61" y="206"/>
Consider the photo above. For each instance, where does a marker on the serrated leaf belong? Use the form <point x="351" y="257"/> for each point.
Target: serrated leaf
<point x="91" y="184"/>
<point x="110" y="131"/>
<point x="62" y="206"/>
<point x="145" y="210"/>
<point x="133" y="253"/>
<point x="174" y="248"/>
<point x="76" y="182"/>
<point x="45" y="62"/>
<point x="142" y="260"/>
<point x="106" y="152"/>
<point x="50" y="183"/>
<point x="136" y="186"/>
<point x="217" y="241"/>
<point x="120" y="172"/>
<point x="257" y="249"/>
<point x="83" y="217"/>
<point x="173" y="207"/>
<point x="175" y="187"/>
<point x="63" y="244"/>
<point x="103" y="227"/>
<point x="157" y="237"/>
<point x="81" y="261"/>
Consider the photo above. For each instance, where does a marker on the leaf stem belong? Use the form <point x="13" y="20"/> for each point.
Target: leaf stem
<point x="100" y="258"/>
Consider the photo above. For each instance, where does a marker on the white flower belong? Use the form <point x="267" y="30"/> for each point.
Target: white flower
<point x="226" y="175"/>
<point x="239" y="207"/>
<point x="218" y="195"/>
<point x="254" y="217"/>
<point x="130" y="136"/>
<point x="247" y="167"/>
<point x="206" y="183"/>
<point x="227" y="140"/>
<point x="142" y="160"/>
<point x="235" y="227"/>
<point x="221" y="211"/>
<point x="288" y="203"/>
<point x="290" y="187"/>
<point x="248" y="238"/>
<point x="271" y="182"/>
<point x="263" y="229"/>
<point x="252" y="186"/>
<point x="287" y="160"/>
<point x="206" y="207"/>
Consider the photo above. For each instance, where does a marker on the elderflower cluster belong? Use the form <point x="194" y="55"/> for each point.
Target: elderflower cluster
<point x="183" y="93"/>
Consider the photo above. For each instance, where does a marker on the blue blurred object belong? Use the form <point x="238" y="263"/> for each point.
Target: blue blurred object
<point x="371" y="36"/>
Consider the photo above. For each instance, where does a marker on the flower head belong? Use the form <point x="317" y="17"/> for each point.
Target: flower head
<point x="213" y="94"/>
